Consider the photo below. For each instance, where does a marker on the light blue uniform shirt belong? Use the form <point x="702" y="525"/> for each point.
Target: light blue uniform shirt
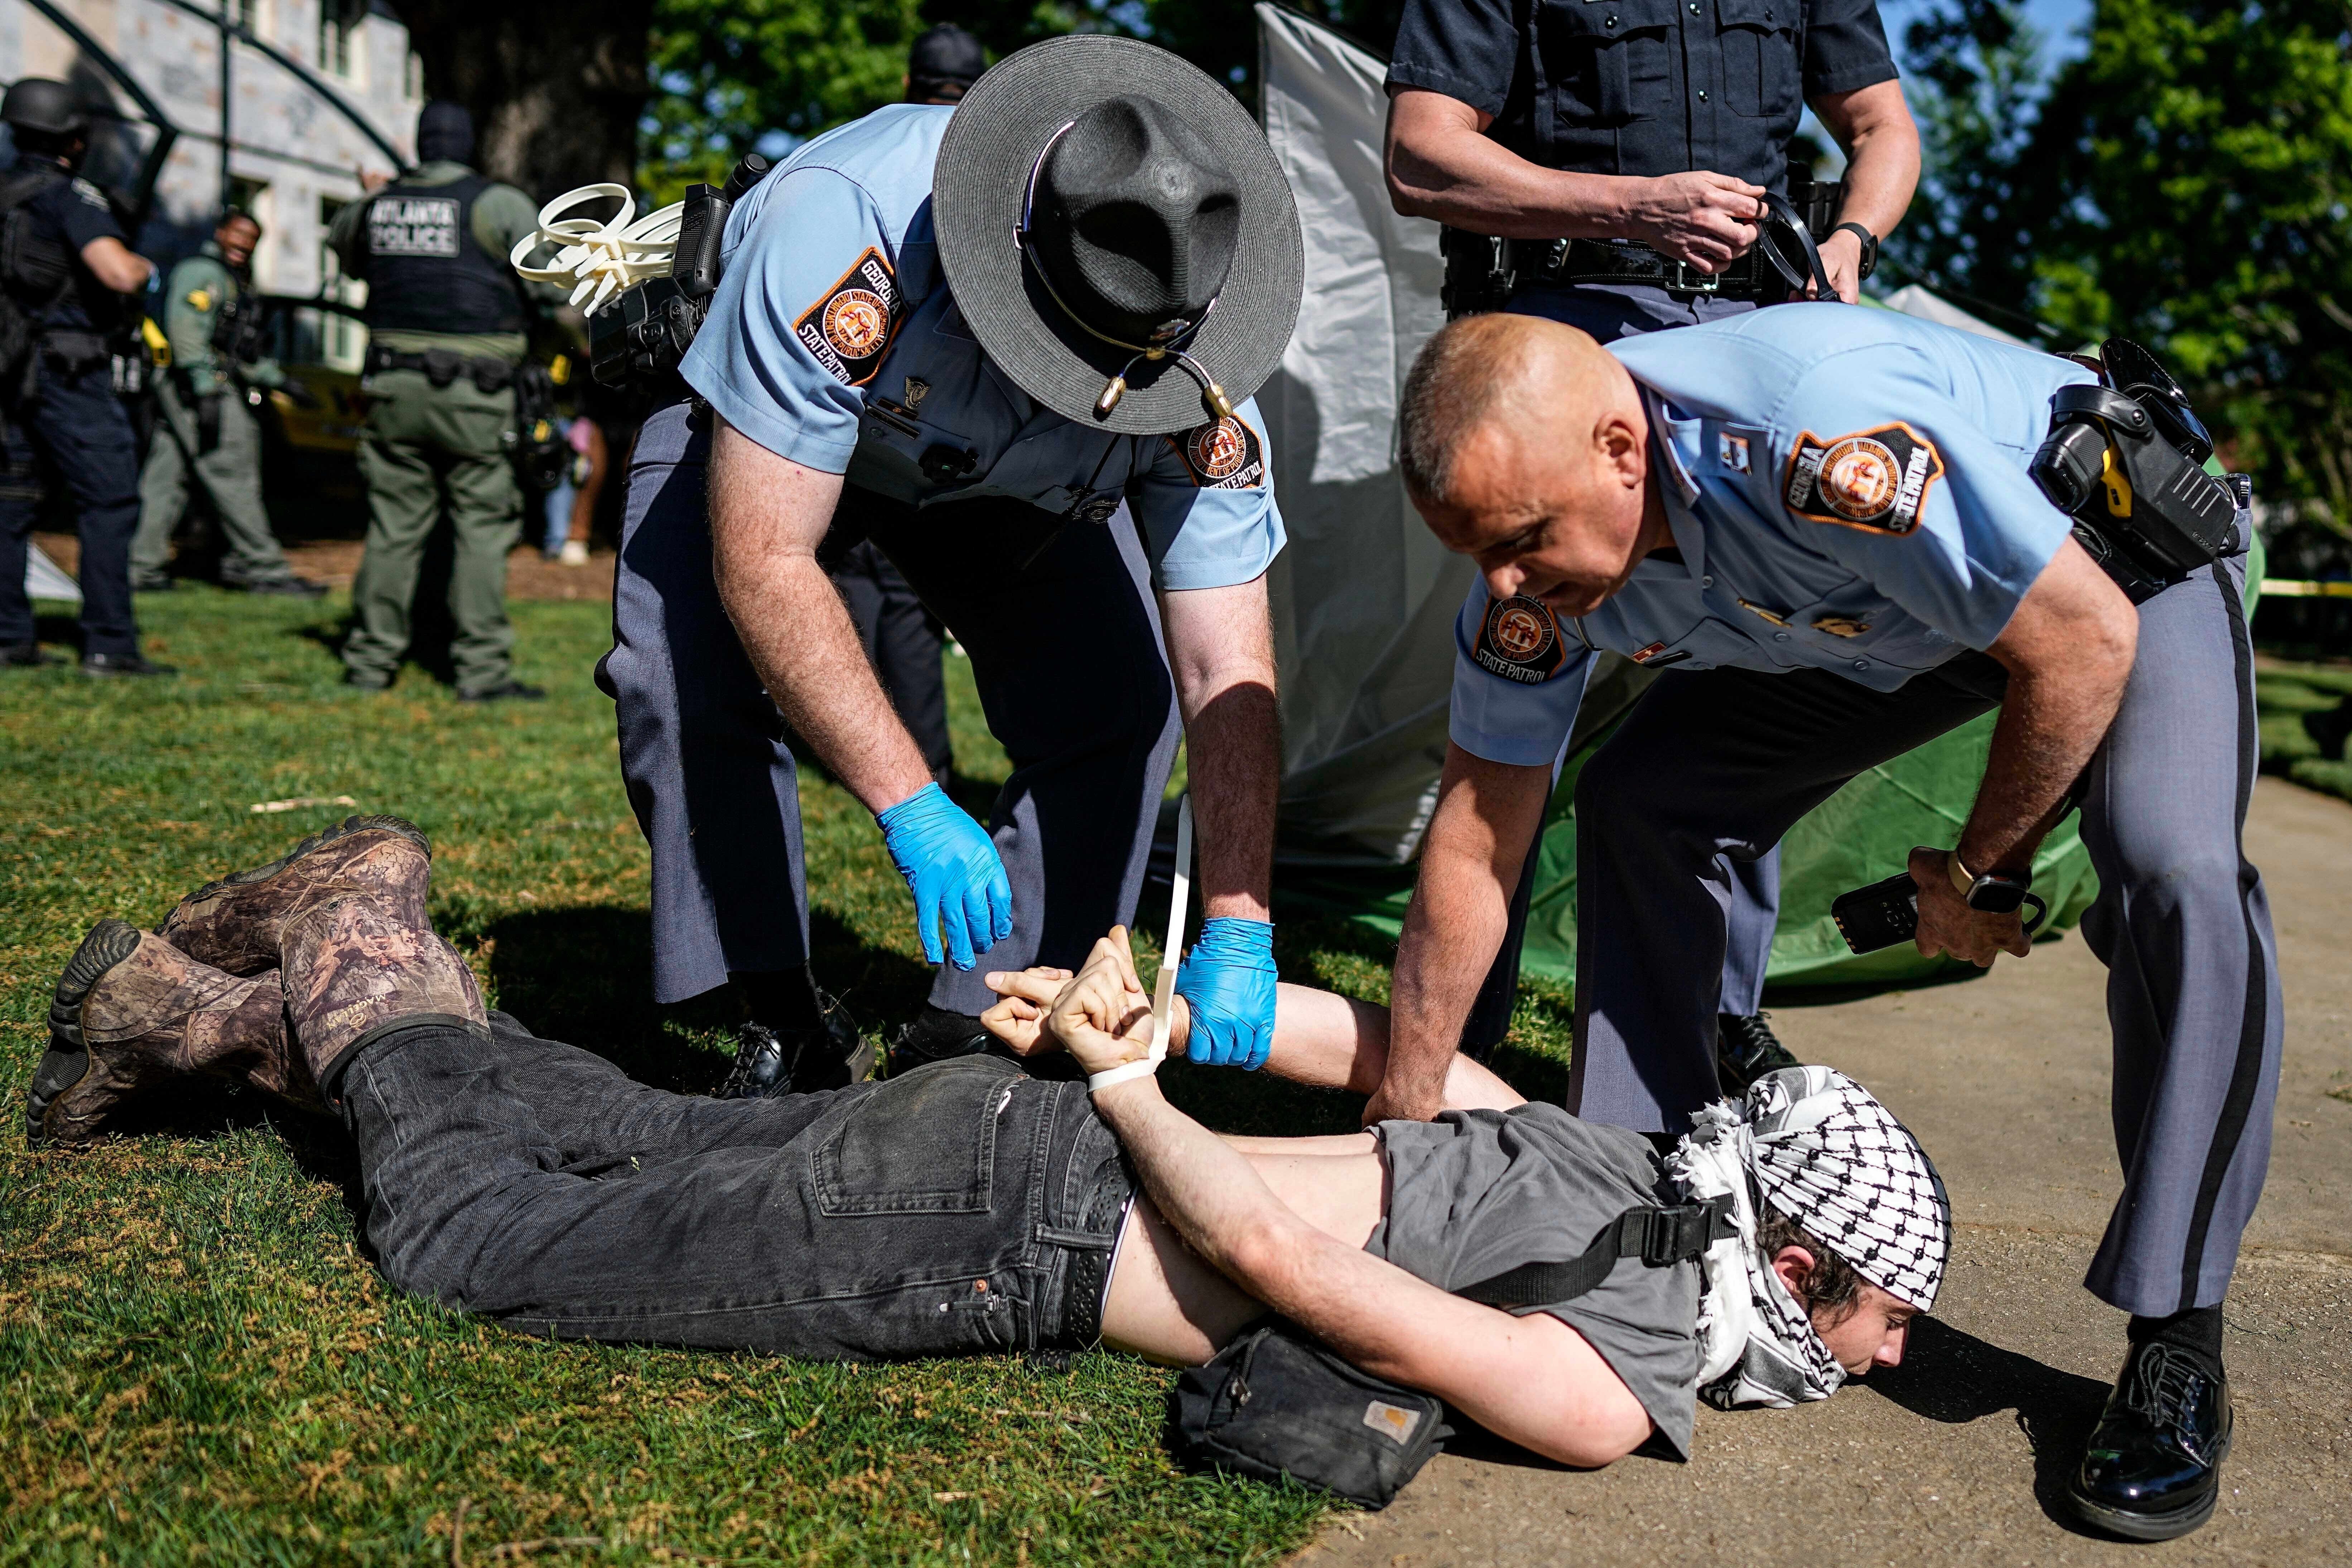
<point x="834" y="341"/>
<point x="1847" y="488"/>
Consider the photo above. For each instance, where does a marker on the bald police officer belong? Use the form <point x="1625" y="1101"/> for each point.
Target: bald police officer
<point x="1619" y="150"/>
<point x="206" y="427"/>
<point x="69" y="271"/>
<point x="1010" y="343"/>
<point x="1818" y="521"/>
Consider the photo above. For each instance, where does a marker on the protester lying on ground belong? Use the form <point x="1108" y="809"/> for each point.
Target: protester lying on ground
<point x="965" y="1207"/>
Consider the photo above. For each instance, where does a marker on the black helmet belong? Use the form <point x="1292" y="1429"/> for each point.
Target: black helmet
<point x="48" y="108"/>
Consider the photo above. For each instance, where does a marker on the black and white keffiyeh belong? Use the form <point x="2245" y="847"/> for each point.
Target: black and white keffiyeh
<point x="1816" y="1146"/>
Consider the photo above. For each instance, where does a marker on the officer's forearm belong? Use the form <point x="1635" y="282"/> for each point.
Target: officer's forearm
<point x="2068" y="651"/>
<point x="1440" y="165"/>
<point x="1221" y="652"/>
<point x="1882" y="147"/>
<point x="767" y="517"/>
<point x="1486" y="818"/>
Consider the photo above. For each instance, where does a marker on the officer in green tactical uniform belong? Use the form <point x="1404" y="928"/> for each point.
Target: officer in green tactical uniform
<point x="205" y="421"/>
<point x="446" y="324"/>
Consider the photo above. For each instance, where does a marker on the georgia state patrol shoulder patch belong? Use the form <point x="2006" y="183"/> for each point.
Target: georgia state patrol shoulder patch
<point x="1223" y="454"/>
<point x="1875" y="480"/>
<point x="850" y="328"/>
<point x="1520" y="641"/>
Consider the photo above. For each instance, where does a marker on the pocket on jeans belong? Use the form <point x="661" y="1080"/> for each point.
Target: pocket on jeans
<point x="924" y="1143"/>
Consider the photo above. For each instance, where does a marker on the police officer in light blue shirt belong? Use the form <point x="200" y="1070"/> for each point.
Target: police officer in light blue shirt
<point x="1818" y="520"/>
<point x="1009" y="342"/>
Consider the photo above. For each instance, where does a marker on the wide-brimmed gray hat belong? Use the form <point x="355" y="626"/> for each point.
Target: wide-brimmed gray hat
<point x="1118" y="234"/>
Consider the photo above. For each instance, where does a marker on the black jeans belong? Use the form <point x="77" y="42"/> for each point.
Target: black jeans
<point x="961" y="1209"/>
<point x="77" y="423"/>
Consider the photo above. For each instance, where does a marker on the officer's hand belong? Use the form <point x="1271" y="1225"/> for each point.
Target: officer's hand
<point x="1841" y="254"/>
<point x="1228" y="979"/>
<point x="952" y="870"/>
<point x="1705" y="219"/>
<point x="1394" y="1103"/>
<point x="1946" y="924"/>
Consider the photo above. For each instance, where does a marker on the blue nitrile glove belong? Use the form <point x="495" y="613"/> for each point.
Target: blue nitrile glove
<point x="1228" y="981"/>
<point x="951" y="867"/>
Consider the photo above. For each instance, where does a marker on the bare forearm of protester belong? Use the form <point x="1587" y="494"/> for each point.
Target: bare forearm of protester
<point x="1221" y="653"/>
<point x="1533" y="1380"/>
<point x="1440" y="164"/>
<point x="1486" y="818"/>
<point x="1874" y="125"/>
<point x="768" y="514"/>
<point x="1320" y="1038"/>
<point x="2068" y="649"/>
<point x="116" y="265"/>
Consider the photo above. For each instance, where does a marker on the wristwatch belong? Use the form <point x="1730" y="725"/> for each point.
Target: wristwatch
<point x="1869" y="247"/>
<point x="1990" y="894"/>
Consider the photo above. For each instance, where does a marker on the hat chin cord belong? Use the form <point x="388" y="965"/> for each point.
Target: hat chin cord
<point x="1212" y="396"/>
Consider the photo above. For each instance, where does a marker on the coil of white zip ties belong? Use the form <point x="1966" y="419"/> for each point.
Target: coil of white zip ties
<point x="600" y="260"/>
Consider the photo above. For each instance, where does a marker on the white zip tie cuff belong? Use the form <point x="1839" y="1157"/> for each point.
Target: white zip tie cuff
<point x="600" y="260"/>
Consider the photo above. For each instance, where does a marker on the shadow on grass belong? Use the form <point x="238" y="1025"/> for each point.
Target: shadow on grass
<point x="585" y="976"/>
<point x="1951" y="1376"/>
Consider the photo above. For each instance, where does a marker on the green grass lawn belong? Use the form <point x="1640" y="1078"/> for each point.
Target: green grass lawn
<point x="198" y="1364"/>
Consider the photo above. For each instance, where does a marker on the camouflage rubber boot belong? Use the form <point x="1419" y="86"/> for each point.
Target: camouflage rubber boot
<point x="235" y="923"/>
<point x="131" y="1011"/>
<point x="355" y="969"/>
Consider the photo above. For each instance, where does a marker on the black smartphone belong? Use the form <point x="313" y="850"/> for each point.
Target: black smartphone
<point x="1887" y="913"/>
<point x="1880" y="915"/>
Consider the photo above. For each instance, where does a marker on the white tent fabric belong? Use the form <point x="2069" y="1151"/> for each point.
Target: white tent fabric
<point x="1363" y="598"/>
<point x="44" y="579"/>
<point x="1912" y="299"/>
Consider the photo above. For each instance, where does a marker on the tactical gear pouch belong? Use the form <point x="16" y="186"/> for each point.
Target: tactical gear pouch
<point x="1275" y="1404"/>
<point x="441" y="367"/>
<point x="541" y="451"/>
<point x="2125" y="460"/>
<point x="208" y="422"/>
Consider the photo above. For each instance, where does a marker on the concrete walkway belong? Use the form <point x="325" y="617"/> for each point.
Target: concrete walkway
<point x="1959" y="1456"/>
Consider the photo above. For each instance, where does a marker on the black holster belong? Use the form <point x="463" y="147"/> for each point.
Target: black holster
<point x="208" y="422"/>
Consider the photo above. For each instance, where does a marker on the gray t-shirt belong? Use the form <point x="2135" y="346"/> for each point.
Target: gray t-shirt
<point x="1477" y="1192"/>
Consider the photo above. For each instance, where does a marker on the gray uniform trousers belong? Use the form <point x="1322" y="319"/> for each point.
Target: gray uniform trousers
<point x="231" y="475"/>
<point x="1066" y="656"/>
<point x="1721" y="762"/>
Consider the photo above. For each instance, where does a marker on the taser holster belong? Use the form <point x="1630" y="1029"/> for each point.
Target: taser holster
<point x="2124" y="459"/>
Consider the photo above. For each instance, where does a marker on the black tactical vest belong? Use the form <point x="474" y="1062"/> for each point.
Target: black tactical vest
<point x="1659" y="86"/>
<point x="425" y="273"/>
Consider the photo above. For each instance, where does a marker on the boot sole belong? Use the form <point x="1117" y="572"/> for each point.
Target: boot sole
<point x="109" y="942"/>
<point x="325" y="835"/>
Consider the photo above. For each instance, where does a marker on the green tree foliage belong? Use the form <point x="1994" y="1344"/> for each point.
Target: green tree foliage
<point x="2187" y="182"/>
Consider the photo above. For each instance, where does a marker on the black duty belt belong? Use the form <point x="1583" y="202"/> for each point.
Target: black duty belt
<point x="1567" y="262"/>
<point x="442" y="366"/>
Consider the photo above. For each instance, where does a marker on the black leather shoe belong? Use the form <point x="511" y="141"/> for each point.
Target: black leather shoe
<point x="124" y="664"/>
<point x="2152" y="1470"/>
<point x="2328" y="729"/>
<point x="773" y="1062"/>
<point x="1746" y="1048"/>
<point x="938" y="1036"/>
<point x="283" y="588"/>
<point x="27" y="656"/>
<point x="506" y="690"/>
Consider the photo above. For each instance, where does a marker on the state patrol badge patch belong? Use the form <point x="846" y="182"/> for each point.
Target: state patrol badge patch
<point x="1874" y="479"/>
<point x="1520" y="641"/>
<point x="850" y="328"/>
<point x="1223" y="454"/>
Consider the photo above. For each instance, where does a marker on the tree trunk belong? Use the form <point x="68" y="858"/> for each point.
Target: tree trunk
<point x="556" y="94"/>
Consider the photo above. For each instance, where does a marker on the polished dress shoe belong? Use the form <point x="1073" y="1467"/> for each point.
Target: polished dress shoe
<point x="773" y="1062"/>
<point x="2153" y="1469"/>
<point x="1746" y="1048"/>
